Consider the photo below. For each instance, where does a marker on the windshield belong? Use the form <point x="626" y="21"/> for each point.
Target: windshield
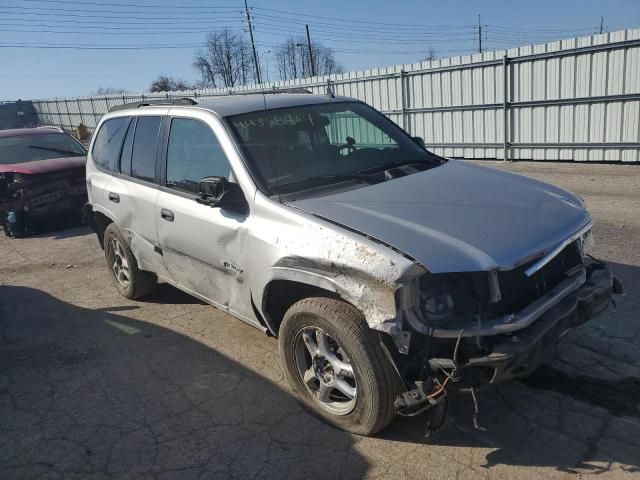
<point x="291" y="149"/>
<point x="39" y="146"/>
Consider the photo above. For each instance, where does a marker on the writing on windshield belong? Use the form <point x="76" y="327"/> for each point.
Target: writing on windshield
<point x="325" y="142"/>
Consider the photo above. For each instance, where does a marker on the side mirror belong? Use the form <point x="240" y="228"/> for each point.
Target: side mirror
<point x="219" y="192"/>
<point x="420" y="141"/>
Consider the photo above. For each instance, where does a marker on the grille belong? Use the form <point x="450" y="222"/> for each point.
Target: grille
<point x="518" y="290"/>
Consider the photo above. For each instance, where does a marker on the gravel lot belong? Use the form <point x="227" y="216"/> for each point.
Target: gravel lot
<point x="95" y="386"/>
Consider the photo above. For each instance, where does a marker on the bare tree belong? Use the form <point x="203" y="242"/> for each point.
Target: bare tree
<point x="168" y="84"/>
<point x="109" y="91"/>
<point x="430" y="56"/>
<point x="225" y="60"/>
<point x="294" y="62"/>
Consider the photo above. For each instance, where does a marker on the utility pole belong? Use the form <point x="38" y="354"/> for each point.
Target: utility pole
<point x="601" y="23"/>
<point x="479" y="35"/>
<point x="253" y="43"/>
<point x="313" y="68"/>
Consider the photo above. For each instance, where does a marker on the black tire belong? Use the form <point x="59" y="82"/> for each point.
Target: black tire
<point x="140" y="282"/>
<point x="377" y="382"/>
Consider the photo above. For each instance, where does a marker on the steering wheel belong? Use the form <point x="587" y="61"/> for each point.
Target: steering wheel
<point x="350" y="145"/>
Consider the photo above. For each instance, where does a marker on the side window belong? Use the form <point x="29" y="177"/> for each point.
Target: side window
<point x="145" y="142"/>
<point x="193" y="153"/>
<point x="127" y="149"/>
<point x="108" y="142"/>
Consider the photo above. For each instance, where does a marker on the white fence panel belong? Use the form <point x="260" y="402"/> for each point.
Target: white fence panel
<point x="574" y="99"/>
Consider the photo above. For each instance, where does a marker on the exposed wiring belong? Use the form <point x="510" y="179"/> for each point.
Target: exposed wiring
<point x="393" y="363"/>
<point x="476" y="411"/>
<point x="440" y="389"/>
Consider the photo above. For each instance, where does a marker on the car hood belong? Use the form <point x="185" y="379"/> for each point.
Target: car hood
<point x="44" y="166"/>
<point x="459" y="216"/>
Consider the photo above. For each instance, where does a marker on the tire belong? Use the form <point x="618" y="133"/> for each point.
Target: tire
<point x="376" y="382"/>
<point x="138" y="282"/>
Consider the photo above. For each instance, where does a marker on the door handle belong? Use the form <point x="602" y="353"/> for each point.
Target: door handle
<point x="166" y="214"/>
<point x="114" y="197"/>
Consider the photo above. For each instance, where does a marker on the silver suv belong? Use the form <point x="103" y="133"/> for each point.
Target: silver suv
<point x="388" y="274"/>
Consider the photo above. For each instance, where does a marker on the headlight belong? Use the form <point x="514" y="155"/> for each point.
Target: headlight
<point x="448" y="299"/>
<point x="587" y="243"/>
<point x="437" y="303"/>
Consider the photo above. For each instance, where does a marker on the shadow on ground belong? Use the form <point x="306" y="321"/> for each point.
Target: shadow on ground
<point x="87" y="393"/>
<point x="166" y="293"/>
<point x="60" y="228"/>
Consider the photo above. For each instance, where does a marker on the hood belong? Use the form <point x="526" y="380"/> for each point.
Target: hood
<point x="458" y="217"/>
<point x="44" y="166"/>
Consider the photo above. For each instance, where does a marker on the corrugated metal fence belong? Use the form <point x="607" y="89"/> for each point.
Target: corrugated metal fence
<point x="574" y="99"/>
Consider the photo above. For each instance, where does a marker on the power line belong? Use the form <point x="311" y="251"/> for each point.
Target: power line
<point x="96" y="46"/>
<point x="381" y="35"/>
<point x="105" y="4"/>
<point x="342" y="20"/>
<point x="120" y="22"/>
<point x="142" y="26"/>
<point x="138" y="10"/>
<point x="182" y="46"/>
<point x="362" y="26"/>
<point x="148" y="19"/>
<point x="118" y="17"/>
<point x="373" y="28"/>
<point x="157" y="20"/>
<point x="551" y="30"/>
<point x="168" y="9"/>
<point x="120" y="33"/>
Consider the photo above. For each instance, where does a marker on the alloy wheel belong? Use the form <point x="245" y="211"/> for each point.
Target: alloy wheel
<point x="325" y="370"/>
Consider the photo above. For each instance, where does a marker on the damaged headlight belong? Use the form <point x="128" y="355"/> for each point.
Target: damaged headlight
<point x="436" y="302"/>
<point x="586" y="243"/>
<point x="446" y="299"/>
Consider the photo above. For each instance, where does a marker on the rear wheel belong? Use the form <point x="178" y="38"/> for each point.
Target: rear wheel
<point x="130" y="281"/>
<point x="336" y="365"/>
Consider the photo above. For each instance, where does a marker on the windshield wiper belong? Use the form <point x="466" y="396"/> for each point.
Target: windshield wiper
<point x="399" y="163"/>
<point x="57" y="150"/>
<point x="313" y="179"/>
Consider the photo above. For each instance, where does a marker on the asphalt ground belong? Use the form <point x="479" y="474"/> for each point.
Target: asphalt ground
<point x="96" y="386"/>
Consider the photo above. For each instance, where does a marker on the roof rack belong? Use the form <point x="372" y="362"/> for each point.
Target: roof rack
<point x="168" y="102"/>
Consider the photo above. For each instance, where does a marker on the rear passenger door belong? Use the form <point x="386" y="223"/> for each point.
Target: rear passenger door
<point x="105" y="154"/>
<point x="202" y="246"/>
<point x="133" y="193"/>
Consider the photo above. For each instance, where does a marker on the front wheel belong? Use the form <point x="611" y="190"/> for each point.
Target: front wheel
<point x="336" y="365"/>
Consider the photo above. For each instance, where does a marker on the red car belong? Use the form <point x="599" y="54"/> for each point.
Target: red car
<point x="42" y="176"/>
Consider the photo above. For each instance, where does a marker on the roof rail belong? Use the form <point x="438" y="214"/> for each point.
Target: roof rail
<point x="168" y="102"/>
<point x="291" y="90"/>
<point x="52" y="127"/>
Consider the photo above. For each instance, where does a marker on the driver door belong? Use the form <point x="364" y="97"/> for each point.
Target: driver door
<point x="201" y="246"/>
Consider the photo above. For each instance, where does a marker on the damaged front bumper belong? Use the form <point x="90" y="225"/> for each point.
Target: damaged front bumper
<point x="518" y="353"/>
<point x="40" y="196"/>
<point x="480" y="356"/>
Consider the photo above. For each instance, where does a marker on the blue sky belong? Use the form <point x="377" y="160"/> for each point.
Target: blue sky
<point x="365" y="34"/>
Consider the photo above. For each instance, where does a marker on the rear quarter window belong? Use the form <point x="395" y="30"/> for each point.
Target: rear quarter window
<point x="145" y="142"/>
<point x="108" y="143"/>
